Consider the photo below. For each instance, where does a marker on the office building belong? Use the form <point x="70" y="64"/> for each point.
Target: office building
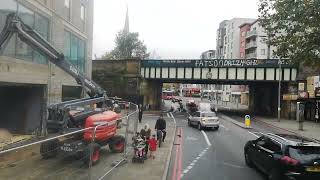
<point x="28" y="81"/>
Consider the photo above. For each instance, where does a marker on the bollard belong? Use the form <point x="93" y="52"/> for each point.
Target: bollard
<point x="247" y="121"/>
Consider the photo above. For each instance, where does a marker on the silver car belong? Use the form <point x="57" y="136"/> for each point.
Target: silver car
<point x="204" y="119"/>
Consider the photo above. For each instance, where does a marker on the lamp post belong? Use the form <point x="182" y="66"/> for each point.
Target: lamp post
<point x="279" y="90"/>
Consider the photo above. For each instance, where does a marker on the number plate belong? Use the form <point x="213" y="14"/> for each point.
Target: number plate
<point x="313" y="169"/>
<point x="66" y="148"/>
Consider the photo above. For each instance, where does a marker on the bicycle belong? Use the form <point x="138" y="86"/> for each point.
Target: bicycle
<point x="159" y="137"/>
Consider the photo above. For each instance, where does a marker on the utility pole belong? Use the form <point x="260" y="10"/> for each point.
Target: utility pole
<point x="279" y="90"/>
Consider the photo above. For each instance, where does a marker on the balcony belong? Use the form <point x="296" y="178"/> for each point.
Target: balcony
<point x="252" y="44"/>
<point x="251" y="55"/>
<point x="252" y="33"/>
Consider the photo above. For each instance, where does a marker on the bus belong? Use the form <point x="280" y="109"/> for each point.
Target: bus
<point x="191" y="92"/>
<point x="167" y="94"/>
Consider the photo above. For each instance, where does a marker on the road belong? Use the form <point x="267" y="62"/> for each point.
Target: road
<point x="211" y="154"/>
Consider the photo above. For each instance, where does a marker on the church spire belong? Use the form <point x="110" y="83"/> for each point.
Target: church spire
<point x="126" y="24"/>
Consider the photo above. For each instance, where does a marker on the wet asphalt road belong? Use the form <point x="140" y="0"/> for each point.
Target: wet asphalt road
<point x="220" y="157"/>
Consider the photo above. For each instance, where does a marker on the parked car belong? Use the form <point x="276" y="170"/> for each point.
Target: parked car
<point x="204" y="119"/>
<point x="284" y="156"/>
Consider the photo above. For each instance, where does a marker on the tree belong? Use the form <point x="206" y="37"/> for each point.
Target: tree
<point x="294" y="28"/>
<point x="127" y="46"/>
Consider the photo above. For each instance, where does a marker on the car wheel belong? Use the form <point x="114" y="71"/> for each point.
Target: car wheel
<point x="49" y="149"/>
<point x="199" y="126"/>
<point x="274" y="175"/>
<point x="216" y="128"/>
<point x="92" y="150"/>
<point x="248" y="160"/>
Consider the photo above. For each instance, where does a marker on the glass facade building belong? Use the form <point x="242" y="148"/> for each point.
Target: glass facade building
<point x="74" y="47"/>
<point x="16" y="48"/>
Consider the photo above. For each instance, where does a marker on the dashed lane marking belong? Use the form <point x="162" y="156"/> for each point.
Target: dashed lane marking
<point x="193" y="163"/>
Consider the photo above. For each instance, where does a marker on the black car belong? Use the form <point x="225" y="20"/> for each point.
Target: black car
<point x="284" y="156"/>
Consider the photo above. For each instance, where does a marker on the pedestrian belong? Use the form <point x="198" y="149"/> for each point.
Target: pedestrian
<point x="140" y="112"/>
<point x="161" y="125"/>
<point x="152" y="146"/>
<point x="145" y="134"/>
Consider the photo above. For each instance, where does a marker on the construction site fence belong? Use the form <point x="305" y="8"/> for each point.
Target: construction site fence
<point x="52" y="158"/>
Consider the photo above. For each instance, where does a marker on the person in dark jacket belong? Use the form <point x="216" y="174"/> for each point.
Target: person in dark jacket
<point x="161" y="125"/>
<point x="140" y="113"/>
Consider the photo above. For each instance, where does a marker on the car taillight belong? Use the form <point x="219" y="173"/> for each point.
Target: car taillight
<point x="288" y="160"/>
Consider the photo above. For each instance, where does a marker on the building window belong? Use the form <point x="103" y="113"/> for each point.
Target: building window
<point x="15" y="47"/>
<point x="263" y="51"/>
<point x="67" y="13"/>
<point x="74" y="50"/>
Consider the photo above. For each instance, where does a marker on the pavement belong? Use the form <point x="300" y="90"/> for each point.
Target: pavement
<point x="310" y="129"/>
<point x="151" y="169"/>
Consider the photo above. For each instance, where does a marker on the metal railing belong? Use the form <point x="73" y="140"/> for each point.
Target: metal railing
<point x="251" y="33"/>
<point x="251" y="44"/>
<point x="70" y="156"/>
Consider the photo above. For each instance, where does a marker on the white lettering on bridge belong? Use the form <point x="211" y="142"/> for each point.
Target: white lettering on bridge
<point x="226" y="63"/>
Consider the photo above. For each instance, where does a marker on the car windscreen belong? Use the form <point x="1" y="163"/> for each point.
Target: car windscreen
<point x="208" y="114"/>
<point x="304" y="154"/>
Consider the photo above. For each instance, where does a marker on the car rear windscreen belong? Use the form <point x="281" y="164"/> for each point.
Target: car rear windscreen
<point x="304" y="154"/>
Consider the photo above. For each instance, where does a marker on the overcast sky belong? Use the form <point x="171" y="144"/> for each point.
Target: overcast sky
<point x="171" y="28"/>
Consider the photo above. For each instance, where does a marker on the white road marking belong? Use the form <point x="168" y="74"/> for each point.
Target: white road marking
<point x="191" y="165"/>
<point x="232" y="165"/>
<point x="227" y="129"/>
<point x="168" y="115"/>
<point x="253" y="134"/>
<point x="174" y="119"/>
<point x="206" y="138"/>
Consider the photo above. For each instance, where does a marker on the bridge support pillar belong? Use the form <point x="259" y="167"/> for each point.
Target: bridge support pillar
<point x="263" y="99"/>
<point x="151" y="92"/>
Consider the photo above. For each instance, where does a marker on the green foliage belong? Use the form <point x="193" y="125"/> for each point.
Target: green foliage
<point x="127" y="46"/>
<point x="294" y="28"/>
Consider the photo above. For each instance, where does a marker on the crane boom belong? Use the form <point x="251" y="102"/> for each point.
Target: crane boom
<point x="59" y="118"/>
